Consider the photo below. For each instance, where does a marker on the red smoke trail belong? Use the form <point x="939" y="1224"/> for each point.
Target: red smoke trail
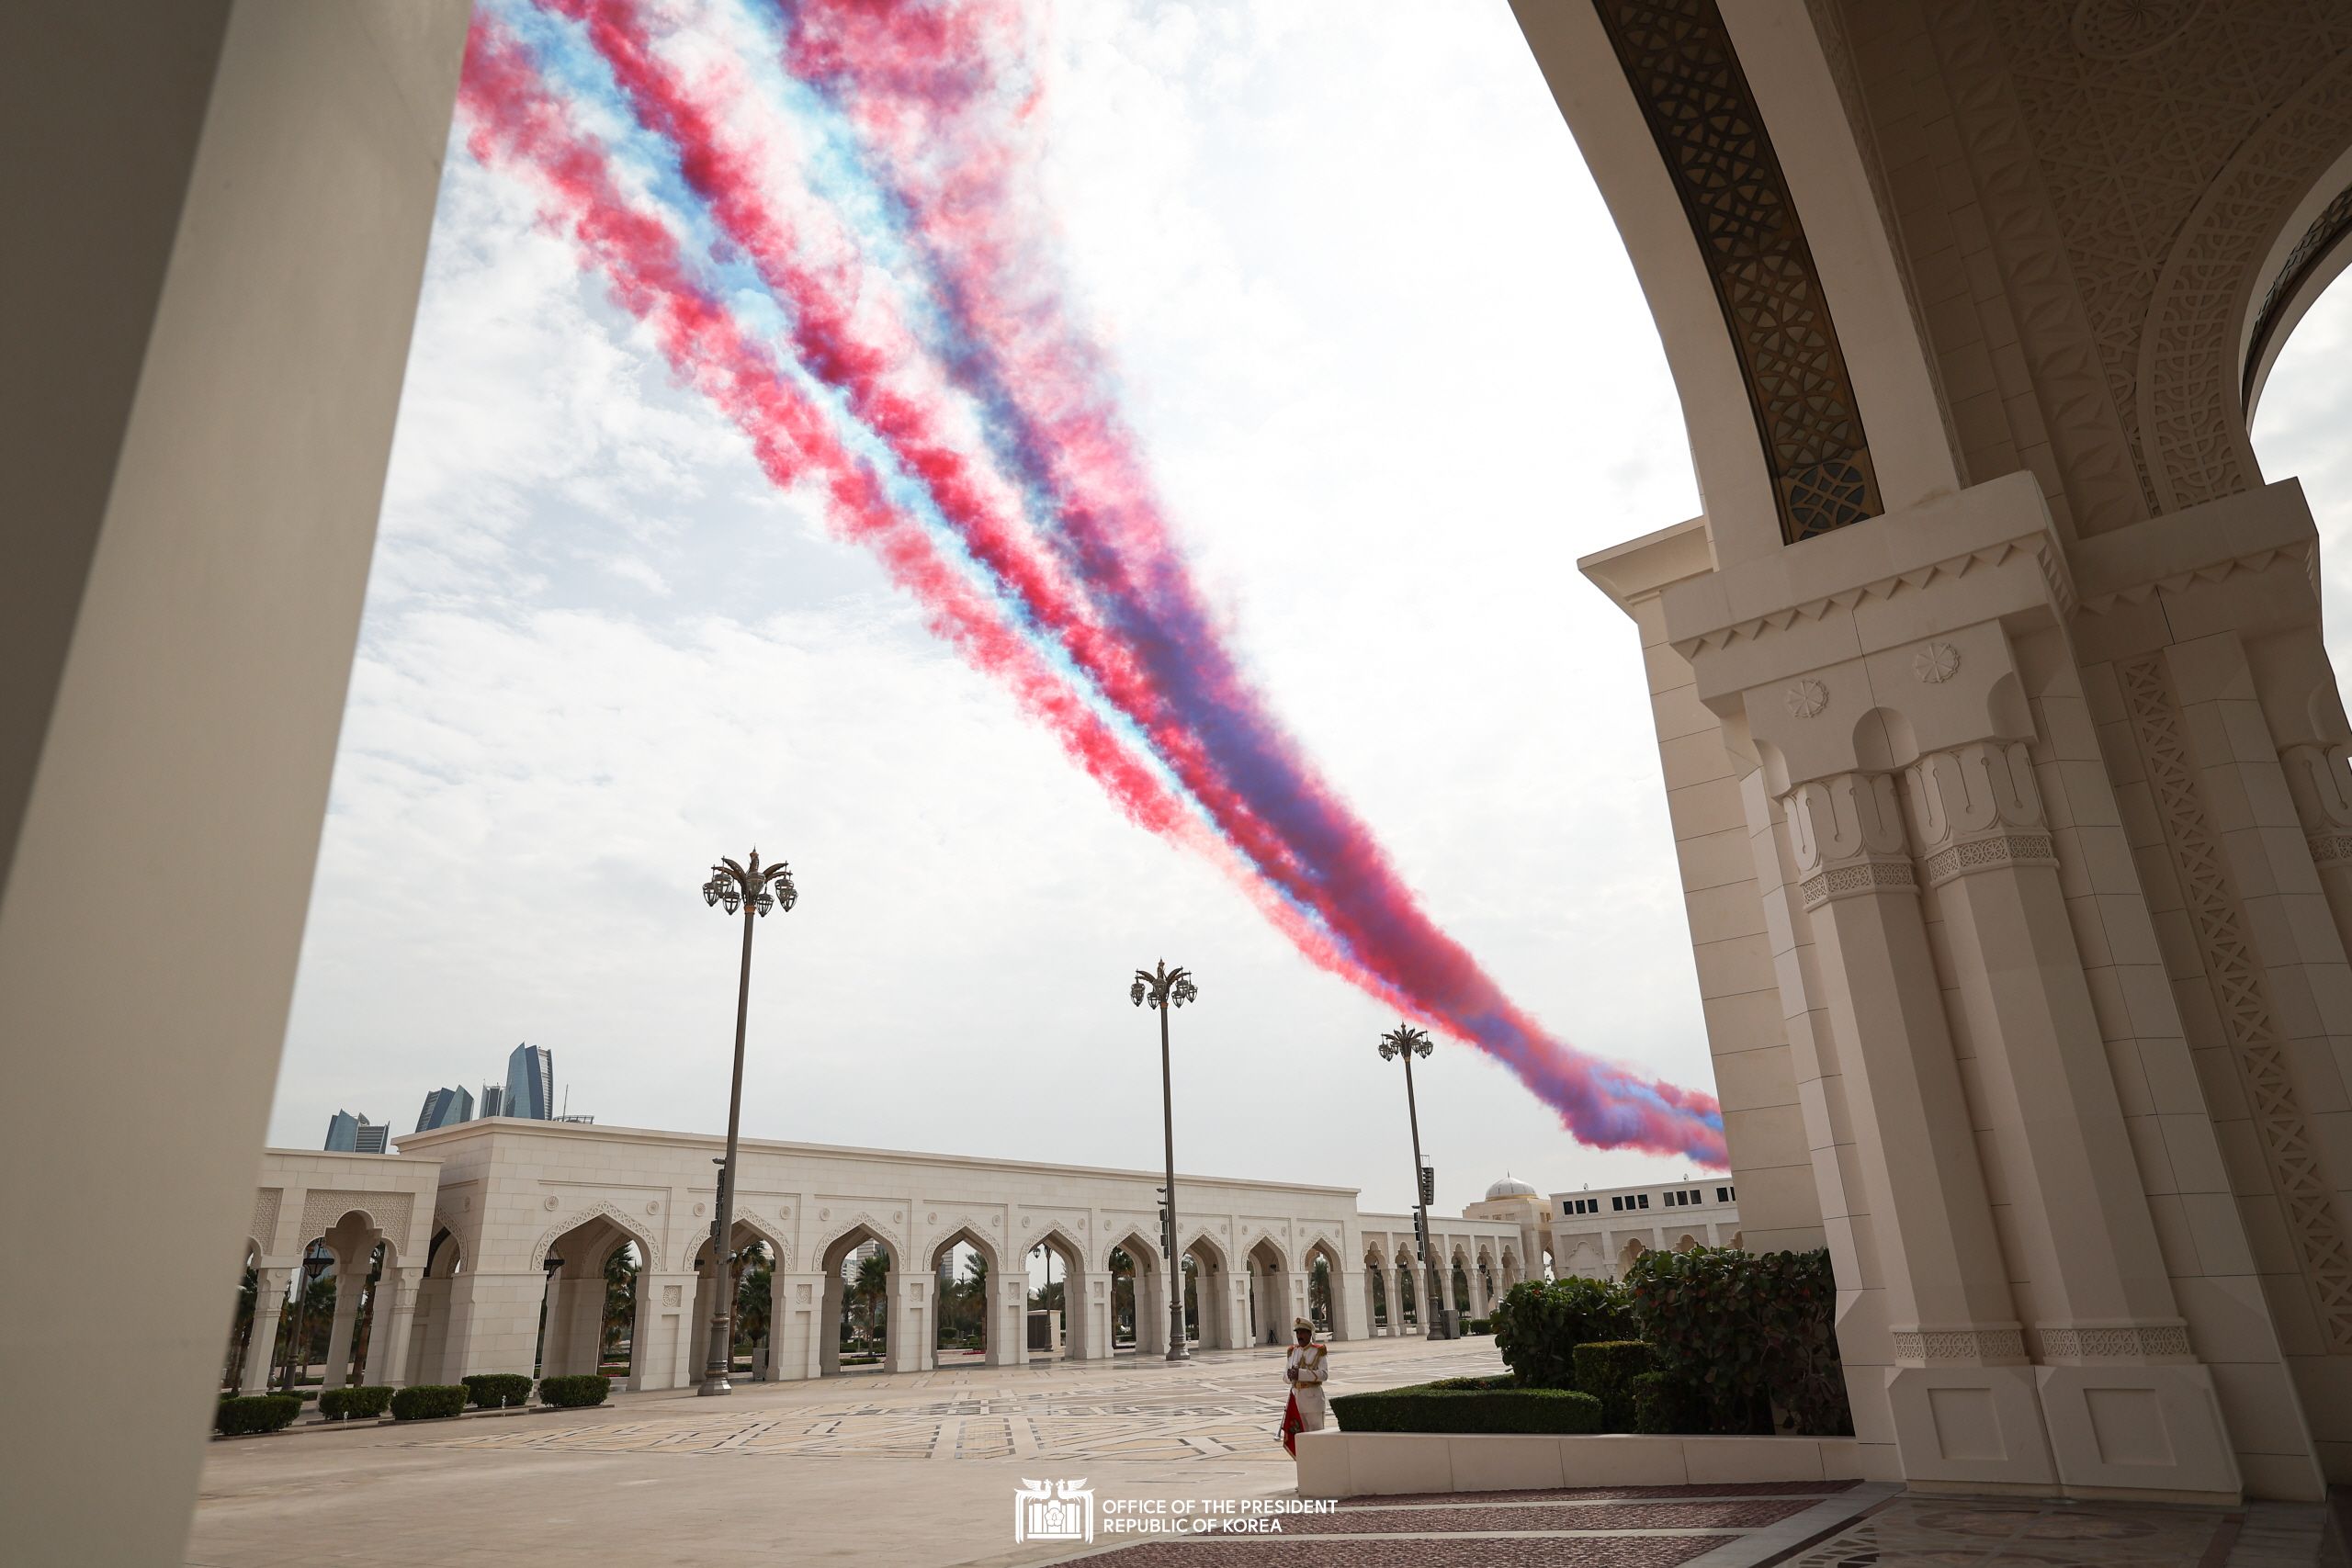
<point x="518" y="124"/>
<point x="924" y="86"/>
<point x="1230" y="756"/>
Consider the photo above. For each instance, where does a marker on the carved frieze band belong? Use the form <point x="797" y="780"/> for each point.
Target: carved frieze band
<point x="2127" y="1342"/>
<point x="1868" y="876"/>
<point x="1959" y="1346"/>
<point x="322" y="1211"/>
<point x="2329" y="847"/>
<point x="2241" y="996"/>
<point x="1679" y="58"/>
<point x="1979" y="854"/>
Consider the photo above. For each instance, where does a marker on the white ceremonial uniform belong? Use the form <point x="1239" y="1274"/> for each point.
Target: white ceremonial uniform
<point x="1308" y="1365"/>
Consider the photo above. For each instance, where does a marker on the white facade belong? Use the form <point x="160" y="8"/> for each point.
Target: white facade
<point x="490" y="1222"/>
<point x="1597" y="1233"/>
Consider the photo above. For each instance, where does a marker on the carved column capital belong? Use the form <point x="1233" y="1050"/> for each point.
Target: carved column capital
<point x="2320" y="779"/>
<point x="1848" y="835"/>
<point x="1978" y="807"/>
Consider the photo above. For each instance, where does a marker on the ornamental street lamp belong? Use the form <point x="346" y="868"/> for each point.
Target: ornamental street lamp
<point x="1409" y="1042"/>
<point x="755" y="890"/>
<point x="1167" y="990"/>
<point x="315" y="1259"/>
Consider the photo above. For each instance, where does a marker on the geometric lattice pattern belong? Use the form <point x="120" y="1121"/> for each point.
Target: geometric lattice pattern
<point x="2234" y="974"/>
<point x="1696" y="100"/>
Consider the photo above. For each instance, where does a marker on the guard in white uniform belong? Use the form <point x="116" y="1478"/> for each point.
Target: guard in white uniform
<point x="1305" y="1368"/>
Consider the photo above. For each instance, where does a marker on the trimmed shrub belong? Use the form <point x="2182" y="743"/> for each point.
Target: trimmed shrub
<point x="428" y="1402"/>
<point x="1478" y="1325"/>
<point x="1426" y="1407"/>
<point x="344" y="1403"/>
<point x="1606" y="1371"/>
<point x="1540" y="1323"/>
<point x="497" y="1391"/>
<point x="1751" y="1334"/>
<point x="1502" y="1380"/>
<point x="574" y="1392"/>
<point x="256" y="1413"/>
<point x="1664" y="1406"/>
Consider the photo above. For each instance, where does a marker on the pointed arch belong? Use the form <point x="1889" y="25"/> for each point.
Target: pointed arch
<point x="647" y="1249"/>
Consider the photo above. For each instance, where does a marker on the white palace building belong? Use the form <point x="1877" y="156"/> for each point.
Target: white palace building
<point x="487" y="1225"/>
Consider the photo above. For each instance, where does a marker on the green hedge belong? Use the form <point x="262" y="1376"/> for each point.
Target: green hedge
<point x="1478" y="1325"/>
<point x="256" y="1413"/>
<point x="1665" y="1407"/>
<point x="428" y="1402"/>
<point x="1426" y="1407"/>
<point x="1752" y="1335"/>
<point x="1540" y="1323"/>
<point x="1606" y="1371"/>
<point x="344" y="1403"/>
<point x="574" y="1392"/>
<point x="497" y="1391"/>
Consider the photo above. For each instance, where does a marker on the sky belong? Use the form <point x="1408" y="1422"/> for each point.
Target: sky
<point x="1395" y="375"/>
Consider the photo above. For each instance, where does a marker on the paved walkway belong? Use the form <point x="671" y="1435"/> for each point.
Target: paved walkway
<point x="915" y="1470"/>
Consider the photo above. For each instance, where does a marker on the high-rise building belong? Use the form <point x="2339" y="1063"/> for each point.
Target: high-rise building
<point x="445" y="1108"/>
<point x="494" y="1100"/>
<point x="530" y="1083"/>
<point x="352" y="1134"/>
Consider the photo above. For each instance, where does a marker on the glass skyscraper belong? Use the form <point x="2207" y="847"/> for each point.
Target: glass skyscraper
<point x="530" y="1083"/>
<point x="445" y="1108"/>
<point x="352" y="1134"/>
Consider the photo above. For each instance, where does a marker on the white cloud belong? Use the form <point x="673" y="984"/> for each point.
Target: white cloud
<point x="1396" y="376"/>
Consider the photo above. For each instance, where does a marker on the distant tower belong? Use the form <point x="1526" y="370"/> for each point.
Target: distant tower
<point x="494" y="1100"/>
<point x="445" y="1108"/>
<point x="351" y="1134"/>
<point x="530" y="1083"/>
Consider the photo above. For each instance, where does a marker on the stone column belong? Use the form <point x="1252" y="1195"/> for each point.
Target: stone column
<point x="2121" y="1393"/>
<point x="261" y="1347"/>
<point x="1090" y="1315"/>
<point x="795" y="1307"/>
<point x="1350" y="1303"/>
<point x="1007" y="1342"/>
<point x="493" y="1322"/>
<point x="1964" y="1399"/>
<point x="395" y="1314"/>
<point x="911" y="1330"/>
<point x="348" y="1289"/>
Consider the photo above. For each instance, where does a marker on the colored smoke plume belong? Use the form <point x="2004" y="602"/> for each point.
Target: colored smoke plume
<point x="958" y="420"/>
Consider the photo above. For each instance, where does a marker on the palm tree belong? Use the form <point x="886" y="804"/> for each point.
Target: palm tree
<point x="241" y="1327"/>
<point x="620" y="1300"/>
<point x="872" y="1287"/>
<point x="1123" y="1296"/>
<point x="751" y="1299"/>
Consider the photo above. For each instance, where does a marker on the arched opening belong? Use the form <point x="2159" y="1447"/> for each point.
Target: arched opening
<point x="1376" y="1292"/>
<point x="1138" y="1297"/>
<point x="591" y="1272"/>
<point x="325" y="1323"/>
<point x="1322" y="1283"/>
<point x="1458" y="1284"/>
<point x="1686" y="1242"/>
<point x="964" y="1266"/>
<point x="1630" y="1254"/>
<point x="1409" y="1293"/>
<point x="1271" y="1309"/>
<point x="240" y="1322"/>
<point x="1510" y="1271"/>
<point x="750" y="1265"/>
<point x="860" y="1271"/>
<point x="1483" y="1301"/>
<point x="1205" y="1294"/>
<point x="1054" y="1323"/>
<point x="1738" y="1242"/>
<point x="428" y="1351"/>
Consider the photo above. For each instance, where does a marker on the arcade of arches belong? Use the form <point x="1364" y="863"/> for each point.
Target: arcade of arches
<point x="547" y="1248"/>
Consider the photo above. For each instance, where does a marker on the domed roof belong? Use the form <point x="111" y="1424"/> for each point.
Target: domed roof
<point x="1511" y="1187"/>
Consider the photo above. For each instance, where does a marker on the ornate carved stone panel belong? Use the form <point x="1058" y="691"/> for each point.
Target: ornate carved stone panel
<point x="322" y="1209"/>
<point x="2333" y="224"/>
<point x="2233" y="971"/>
<point x="1680" y="60"/>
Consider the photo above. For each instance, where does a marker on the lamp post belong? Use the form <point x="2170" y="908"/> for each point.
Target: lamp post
<point x="315" y="1259"/>
<point x="1167" y="990"/>
<point x="1409" y="1042"/>
<point x="747" y="888"/>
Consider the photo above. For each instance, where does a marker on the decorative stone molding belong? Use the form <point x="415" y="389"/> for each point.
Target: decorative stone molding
<point x="2318" y="778"/>
<point x="2126" y="29"/>
<point x="1807" y="698"/>
<point x="2334" y="222"/>
<point x="387" y="1212"/>
<point x="2113" y="1342"/>
<point x="1678" y="58"/>
<point x="1989" y="1346"/>
<point x="1936" y="664"/>
<point x="2241" y="997"/>
<point x="1978" y="808"/>
<point x="2038" y="547"/>
<point x="673" y="1295"/>
<point x="264" y="1222"/>
<point x="1848" y="835"/>
<point x="599" y="1210"/>
<point x="2303" y="556"/>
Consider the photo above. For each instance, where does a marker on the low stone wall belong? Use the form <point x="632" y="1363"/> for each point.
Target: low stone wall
<point x="1372" y="1465"/>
